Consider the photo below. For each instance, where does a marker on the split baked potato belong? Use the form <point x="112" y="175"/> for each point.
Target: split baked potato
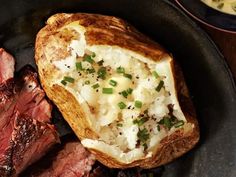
<point x="122" y="94"/>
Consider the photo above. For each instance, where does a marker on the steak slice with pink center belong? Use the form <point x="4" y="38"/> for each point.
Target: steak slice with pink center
<point x="25" y="130"/>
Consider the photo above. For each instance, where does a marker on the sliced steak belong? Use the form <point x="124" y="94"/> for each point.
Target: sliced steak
<point x="31" y="138"/>
<point x="31" y="98"/>
<point x="70" y="159"/>
<point x="25" y="130"/>
<point x="7" y="64"/>
<point x="6" y="93"/>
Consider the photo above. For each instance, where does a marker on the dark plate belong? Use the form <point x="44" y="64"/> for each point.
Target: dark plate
<point x="209" y="16"/>
<point x="207" y="75"/>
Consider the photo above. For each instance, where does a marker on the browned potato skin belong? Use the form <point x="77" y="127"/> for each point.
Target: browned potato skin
<point x="107" y="30"/>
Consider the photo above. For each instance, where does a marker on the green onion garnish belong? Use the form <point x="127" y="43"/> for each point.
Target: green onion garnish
<point x="87" y="82"/>
<point x="95" y="86"/>
<point x="91" y="70"/>
<point x="129" y="90"/>
<point x="102" y="72"/>
<point x="173" y="119"/>
<point x="233" y="6"/>
<point x="63" y="82"/>
<point x="145" y="146"/>
<point x="141" y="121"/>
<point x="154" y="73"/>
<point x="93" y="54"/>
<point x="113" y="83"/>
<point x="119" y="125"/>
<point x="143" y="135"/>
<point x="124" y="93"/>
<point x="69" y="79"/>
<point x="107" y="90"/>
<point x="127" y="75"/>
<point x="122" y="105"/>
<point x="158" y="127"/>
<point x="100" y="62"/>
<point x="138" y="104"/>
<point x="78" y="66"/>
<point x="160" y="85"/>
<point x="145" y="111"/>
<point x="161" y="122"/>
<point x="120" y="70"/>
<point x="88" y="59"/>
<point x="179" y="124"/>
<point x="220" y="6"/>
<point x="136" y="121"/>
<point x="167" y="122"/>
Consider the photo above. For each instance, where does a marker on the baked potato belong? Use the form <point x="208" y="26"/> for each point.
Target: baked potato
<point x="122" y="94"/>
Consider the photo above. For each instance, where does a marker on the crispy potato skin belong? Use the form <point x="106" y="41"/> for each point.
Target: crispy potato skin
<point x="107" y="30"/>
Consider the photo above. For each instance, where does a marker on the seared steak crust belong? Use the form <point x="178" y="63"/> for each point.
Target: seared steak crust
<point x="25" y="130"/>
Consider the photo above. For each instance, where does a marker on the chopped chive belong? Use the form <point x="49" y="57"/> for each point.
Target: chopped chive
<point x="119" y="125"/>
<point x="140" y="122"/>
<point x="93" y="54"/>
<point x="143" y="135"/>
<point x="158" y="127"/>
<point x="145" y="111"/>
<point x="160" y="85"/>
<point x="154" y="73"/>
<point x="122" y="105"/>
<point x="138" y="104"/>
<point x="79" y="66"/>
<point x="69" y="79"/>
<point x="179" y="124"/>
<point x="87" y="82"/>
<point x="124" y="94"/>
<point x="220" y="6"/>
<point x="145" y="146"/>
<point x="113" y="83"/>
<point x="91" y="70"/>
<point x="95" y="86"/>
<point x="102" y="72"/>
<point x="161" y="122"/>
<point x="127" y="75"/>
<point x="129" y="90"/>
<point x="88" y="59"/>
<point x="107" y="90"/>
<point x="120" y="69"/>
<point x="167" y="122"/>
<point x="63" y="82"/>
<point x="143" y="120"/>
<point x="100" y="63"/>
<point x="136" y="121"/>
<point x="173" y="119"/>
<point x="234" y="6"/>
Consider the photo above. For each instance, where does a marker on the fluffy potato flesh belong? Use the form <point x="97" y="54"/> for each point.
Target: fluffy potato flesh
<point x="128" y="100"/>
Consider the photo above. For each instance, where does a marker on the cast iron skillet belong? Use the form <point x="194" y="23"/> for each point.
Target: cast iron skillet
<point x="207" y="75"/>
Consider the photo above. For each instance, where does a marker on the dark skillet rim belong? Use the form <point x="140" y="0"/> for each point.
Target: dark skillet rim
<point x="221" y="57"/>
<point x="204" y="21"/>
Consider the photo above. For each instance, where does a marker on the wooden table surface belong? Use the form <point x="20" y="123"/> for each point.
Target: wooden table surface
<point x="226" y="43"/>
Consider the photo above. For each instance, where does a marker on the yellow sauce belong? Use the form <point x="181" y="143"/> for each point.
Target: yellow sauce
<point x="225" y="6"/>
